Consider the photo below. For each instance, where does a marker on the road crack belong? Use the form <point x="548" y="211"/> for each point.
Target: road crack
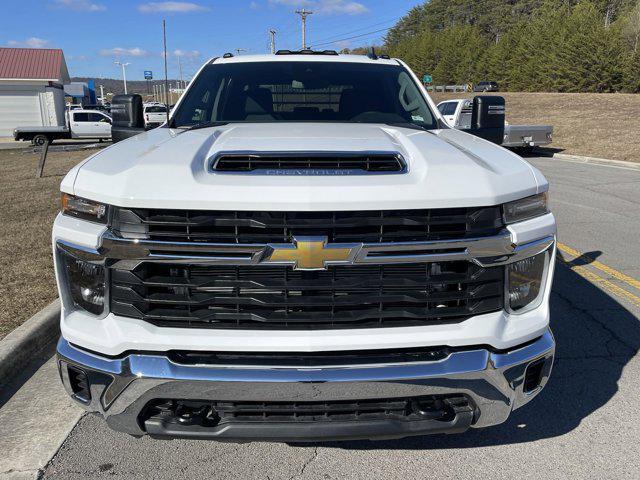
<point x="304" y="466"/>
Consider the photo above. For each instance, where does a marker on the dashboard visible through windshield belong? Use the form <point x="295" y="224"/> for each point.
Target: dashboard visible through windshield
<point x="304" y="92"/>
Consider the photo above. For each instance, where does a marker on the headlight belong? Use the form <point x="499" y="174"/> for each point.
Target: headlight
<point x="83" y="208"/>
<point x="526" y="208"/>
<point x="525" y="282"/>
<point x="85" y="282"/>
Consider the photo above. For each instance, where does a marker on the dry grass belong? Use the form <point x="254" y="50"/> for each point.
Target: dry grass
<point x="592" y="124"/>
<point x="28" y="208"/>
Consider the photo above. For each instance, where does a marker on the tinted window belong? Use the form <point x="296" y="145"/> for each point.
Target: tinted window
<point x="448" y="108"/>
<point x="96" y="117"/>
<point x="80" y="117"/>
<point x="304" y="92"/>
<point x="155" y="109"/>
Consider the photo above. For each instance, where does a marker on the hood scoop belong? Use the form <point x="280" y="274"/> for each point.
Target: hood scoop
<point x="308" y="163"/>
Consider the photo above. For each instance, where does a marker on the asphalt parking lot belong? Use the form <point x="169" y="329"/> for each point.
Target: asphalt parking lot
<point x="584" y="425"/>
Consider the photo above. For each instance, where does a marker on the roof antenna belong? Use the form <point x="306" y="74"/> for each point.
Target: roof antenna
<point x="372" y="53"/>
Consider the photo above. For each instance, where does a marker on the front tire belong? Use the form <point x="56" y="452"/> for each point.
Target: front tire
<point x="39" y="140"/>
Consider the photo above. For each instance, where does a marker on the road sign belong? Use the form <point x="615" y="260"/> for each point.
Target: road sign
<point x="148" y="75"/>
<point x="427" y="79"/>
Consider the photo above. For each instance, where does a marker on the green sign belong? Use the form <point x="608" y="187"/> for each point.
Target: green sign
<point x="427" y="79"/>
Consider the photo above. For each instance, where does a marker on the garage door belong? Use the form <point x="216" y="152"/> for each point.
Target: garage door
<point x="18" y="108"/>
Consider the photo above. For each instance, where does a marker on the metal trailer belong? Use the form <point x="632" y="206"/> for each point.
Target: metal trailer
<point x="527" y="135"/>
<point x="457" y="113"/>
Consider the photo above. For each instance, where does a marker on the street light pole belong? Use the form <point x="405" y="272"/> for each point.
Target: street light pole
<point x="124" y="73"/>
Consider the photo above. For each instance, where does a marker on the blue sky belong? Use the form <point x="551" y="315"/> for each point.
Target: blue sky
<point x="94" y="33"/>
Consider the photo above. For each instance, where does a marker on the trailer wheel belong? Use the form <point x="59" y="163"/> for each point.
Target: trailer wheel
<point x="39" y="140"/>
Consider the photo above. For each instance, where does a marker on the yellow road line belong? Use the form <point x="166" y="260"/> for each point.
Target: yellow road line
<point x="598" y="280"/>
<point x="601" y="266"/>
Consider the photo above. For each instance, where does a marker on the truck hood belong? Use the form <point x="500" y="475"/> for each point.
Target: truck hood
<point x="166" y="168"/>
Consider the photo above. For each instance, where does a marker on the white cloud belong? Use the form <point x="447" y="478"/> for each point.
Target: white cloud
<point x="79" y="5"/>
<point x="327" y="7"/>
<point x="186" y="53"/>
<point x="171" y="7"/>
<point x="254" y="5"/>
<point x="31" y="42"/>
<point x="77" y="58"/>
<point x="123" y="52"/>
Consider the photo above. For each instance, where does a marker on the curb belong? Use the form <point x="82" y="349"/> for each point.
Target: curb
<point x="31" y="338"/>
<point x="597" y="161"/>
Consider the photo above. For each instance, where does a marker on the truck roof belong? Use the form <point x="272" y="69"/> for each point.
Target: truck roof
<point x="304" y="57"/>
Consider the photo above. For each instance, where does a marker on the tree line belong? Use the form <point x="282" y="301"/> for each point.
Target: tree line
<point x="524" y="45"/>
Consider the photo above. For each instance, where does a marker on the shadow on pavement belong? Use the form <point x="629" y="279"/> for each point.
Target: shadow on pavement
<point x="537" y="151"/>
<point x="596" y="337"/>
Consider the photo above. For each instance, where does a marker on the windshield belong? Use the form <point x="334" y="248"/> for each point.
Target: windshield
<point x="304" y="92"/>
<point x="155" y="109"/>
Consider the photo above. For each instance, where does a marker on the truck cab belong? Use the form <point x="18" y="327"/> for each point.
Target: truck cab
<point x="89" y="124"/>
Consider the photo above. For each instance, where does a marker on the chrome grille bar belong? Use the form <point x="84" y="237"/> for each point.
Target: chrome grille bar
<point x="483" y="251"/>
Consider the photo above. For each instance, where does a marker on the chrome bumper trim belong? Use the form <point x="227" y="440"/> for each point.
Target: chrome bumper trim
<point x="484" y="251"/>
<point x="494" y="381"/>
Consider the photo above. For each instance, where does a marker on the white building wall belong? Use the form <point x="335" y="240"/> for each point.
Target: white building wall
<point x="20" y="105"/>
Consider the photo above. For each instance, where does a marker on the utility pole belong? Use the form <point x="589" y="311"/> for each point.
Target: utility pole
<point x="304" y="13"/>
<point x="102" y="93"/>
<point x="272" y="41"/>
<point x="166" y="75"/>
<point x="124" y="74"/>
<point x="180" y="67"/>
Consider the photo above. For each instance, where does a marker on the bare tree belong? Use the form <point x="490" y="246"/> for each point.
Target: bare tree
<point x="632" y="27"/>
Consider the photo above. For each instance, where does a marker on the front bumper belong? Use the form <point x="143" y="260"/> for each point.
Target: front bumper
<point x="494" y="382"/>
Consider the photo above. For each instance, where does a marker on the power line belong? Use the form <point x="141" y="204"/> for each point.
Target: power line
<point x="351" y="38"/>
<point x="354" y="31"/>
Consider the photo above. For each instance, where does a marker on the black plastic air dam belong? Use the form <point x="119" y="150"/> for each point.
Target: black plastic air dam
<point x="457" y="418"/>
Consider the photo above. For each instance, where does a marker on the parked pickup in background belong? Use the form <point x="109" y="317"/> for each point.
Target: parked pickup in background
<point x="155" y="114"/>
<point x="457" y="113"/>
<point x="306" y="251"/>
<point x="89" y="124"/>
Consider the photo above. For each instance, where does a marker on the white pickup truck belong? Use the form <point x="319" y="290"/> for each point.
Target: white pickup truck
<point x="306" y="251"/>
<point x="87" y="124"/>
<point x="457" y="113"/>
<point x="155" y="114"/>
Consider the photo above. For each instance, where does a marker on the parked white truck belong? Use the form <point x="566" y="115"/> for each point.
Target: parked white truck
<point x="305" y="252"/>
<point x="82" y="124"/>
<point x="457" y="113"/>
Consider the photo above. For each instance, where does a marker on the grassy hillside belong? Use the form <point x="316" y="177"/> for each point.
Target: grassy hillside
<point x="591" y="124"/>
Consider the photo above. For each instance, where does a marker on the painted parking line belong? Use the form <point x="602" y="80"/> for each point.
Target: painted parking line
<point x="601" y="266"/>
<point x="596" y="279"/>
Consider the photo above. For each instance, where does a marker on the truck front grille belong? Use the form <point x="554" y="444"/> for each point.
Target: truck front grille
<point x="278" y="297"/>
<point x="373" y="226"/>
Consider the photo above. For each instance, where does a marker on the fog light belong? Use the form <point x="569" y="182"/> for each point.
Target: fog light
<point x="85" y="282"/>
<point x="525" y="281"/>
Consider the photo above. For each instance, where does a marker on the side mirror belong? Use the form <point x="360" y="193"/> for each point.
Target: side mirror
<point x="126" y="114"/>
<point x="487" y="118"/>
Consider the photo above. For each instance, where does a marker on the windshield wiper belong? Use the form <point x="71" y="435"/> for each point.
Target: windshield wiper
<point x="206" y="124"/>
<point x="413" y="126"/>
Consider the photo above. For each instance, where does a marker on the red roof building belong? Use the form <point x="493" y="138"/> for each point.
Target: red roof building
<point x="33" y="64"/>
<point x="31" y="88"/>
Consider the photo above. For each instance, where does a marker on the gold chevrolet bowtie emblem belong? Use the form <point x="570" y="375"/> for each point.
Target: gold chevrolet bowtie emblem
<point x="312" y="253"/>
